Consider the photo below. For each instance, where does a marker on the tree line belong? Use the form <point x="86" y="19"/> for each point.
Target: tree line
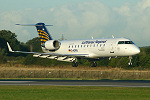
<point x="141" y="60"/>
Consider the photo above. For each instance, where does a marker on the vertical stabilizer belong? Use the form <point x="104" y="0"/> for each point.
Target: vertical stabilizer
<point x="43" y="32"/>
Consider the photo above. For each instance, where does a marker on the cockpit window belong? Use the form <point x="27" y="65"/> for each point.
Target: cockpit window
<point x="125" y="42"/>
<point x="129" y="42"/>
<point x="121" y="42"/>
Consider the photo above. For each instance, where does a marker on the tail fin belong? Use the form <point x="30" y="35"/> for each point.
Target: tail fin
<point x="43" y="32"/>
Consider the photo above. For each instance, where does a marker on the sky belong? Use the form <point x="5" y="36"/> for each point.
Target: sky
<point x="79" y="19"/>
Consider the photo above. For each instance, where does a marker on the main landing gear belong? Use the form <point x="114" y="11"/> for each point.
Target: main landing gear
<point x="93" y="64"/>
<point x="74" y="64"/>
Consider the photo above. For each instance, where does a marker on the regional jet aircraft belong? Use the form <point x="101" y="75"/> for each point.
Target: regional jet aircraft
<point x="71" y="50"/>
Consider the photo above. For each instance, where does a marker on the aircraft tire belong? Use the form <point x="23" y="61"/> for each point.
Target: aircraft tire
<point x="93" y="64"/>
<point x="74" y="64"/>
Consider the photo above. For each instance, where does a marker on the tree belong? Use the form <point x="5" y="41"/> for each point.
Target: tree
<point x="34" y="44"/>
<point x="144" y="57"/>
<point x="8" y="36"/>
<point x="2" y="56"/>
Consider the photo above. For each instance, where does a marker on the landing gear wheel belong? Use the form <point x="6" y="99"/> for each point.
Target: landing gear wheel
<point x="74" y="64"/>
<point x="93" y="64"/>
<point x="130" y="62"/>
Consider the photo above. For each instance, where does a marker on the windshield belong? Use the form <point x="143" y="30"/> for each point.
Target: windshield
<point x="125" y="42"/>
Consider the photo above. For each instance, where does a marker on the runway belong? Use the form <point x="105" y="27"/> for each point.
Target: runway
<point x="106" y="83"/>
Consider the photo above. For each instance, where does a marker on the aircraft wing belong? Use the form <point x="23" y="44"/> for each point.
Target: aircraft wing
<point x="61" y="57"/>
<point x="10" y="50"/>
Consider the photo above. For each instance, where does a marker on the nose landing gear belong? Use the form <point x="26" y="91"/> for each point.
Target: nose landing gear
<point x="130" y="61"/>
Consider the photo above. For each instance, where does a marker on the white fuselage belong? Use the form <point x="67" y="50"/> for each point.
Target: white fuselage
<point x="96" y="48"/>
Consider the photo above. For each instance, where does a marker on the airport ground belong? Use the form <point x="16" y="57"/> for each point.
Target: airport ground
<point x="64" y="92"/>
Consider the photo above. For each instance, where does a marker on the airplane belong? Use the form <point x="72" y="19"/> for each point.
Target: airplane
<point x="72" y="50"/>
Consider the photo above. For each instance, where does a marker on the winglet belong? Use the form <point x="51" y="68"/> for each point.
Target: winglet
<point x="9" y="48"/>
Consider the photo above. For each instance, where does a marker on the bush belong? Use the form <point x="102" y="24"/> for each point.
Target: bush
<point x="2" y="56"/>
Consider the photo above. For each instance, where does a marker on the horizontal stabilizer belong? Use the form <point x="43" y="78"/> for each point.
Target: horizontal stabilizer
<point x="32" y="25"/>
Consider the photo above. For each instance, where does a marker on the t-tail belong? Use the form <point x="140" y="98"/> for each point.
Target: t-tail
<point x="42" y="31"/>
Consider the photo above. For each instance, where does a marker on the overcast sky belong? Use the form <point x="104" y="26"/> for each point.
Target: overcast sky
<point x="79" y="19"/>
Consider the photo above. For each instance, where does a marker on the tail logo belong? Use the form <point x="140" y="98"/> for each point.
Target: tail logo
<point x="43" y="36"/>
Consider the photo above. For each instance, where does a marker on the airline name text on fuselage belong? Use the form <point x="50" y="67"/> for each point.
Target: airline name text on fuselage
<point x="92" y="42"/>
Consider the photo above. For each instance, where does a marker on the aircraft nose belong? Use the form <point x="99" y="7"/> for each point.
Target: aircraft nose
<point x="136" y="50"/>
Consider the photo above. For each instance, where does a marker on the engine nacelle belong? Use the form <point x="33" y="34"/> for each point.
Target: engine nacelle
<point x="52" y="45"/>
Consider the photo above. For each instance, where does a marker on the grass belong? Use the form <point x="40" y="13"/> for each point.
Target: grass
<point x="20" y="71"/>
<point x="60" y="67"/>
<point x="72" y="93"/>
<point x="68" y="72"/>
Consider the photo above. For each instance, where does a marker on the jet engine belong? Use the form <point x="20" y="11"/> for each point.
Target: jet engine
<point x="52" y="45"/>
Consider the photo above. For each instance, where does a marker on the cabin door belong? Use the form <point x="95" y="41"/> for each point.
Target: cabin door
<point x="112" y="48"/>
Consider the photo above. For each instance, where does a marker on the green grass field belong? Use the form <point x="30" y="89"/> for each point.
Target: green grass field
<point x="72" y="93"/>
